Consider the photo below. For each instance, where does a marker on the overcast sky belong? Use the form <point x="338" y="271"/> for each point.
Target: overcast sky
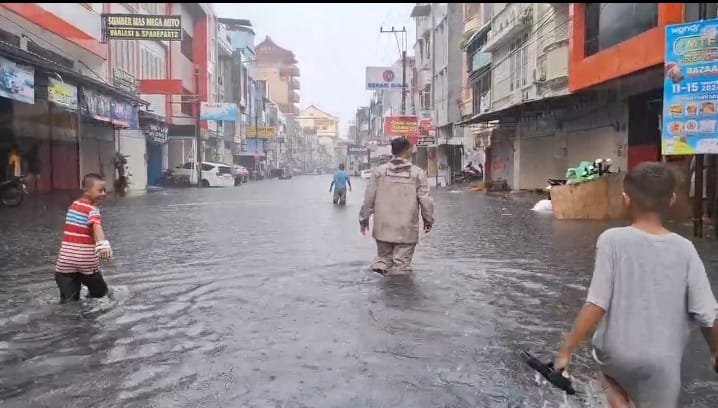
<point x="334" y="43"/>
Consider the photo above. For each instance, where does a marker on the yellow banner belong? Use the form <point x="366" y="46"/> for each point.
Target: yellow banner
<point x="261" y="132"/>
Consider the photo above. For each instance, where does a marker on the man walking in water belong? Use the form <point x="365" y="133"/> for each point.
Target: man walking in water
<point x="396" y="193"/>
<point x="339" y="184"/>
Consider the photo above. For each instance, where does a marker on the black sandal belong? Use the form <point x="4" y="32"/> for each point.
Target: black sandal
<point x="556" y="378"/>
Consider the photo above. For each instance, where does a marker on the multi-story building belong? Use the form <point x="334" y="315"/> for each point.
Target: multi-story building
<point x="61" y="71"/>
<point x="517" y="58"/>
<point x="440" y="67"/>
<point x="191" y="62"/>
<point x="241" y="37"/>
<point x="327" y="131"/>
<point x="277" y="66"/>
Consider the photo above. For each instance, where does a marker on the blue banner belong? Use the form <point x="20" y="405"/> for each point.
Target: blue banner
<point x="17" y="81"/>
<point x="690" y="91"/>
<point x="218" y="111"/>
<point x="124" y="115"/>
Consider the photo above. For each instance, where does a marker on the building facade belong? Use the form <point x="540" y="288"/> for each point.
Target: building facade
<point x="277" y="66"/>
<point x="64" y="112"/>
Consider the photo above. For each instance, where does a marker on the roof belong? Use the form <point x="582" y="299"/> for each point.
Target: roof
<point x="314" y="107"/>
<point x="269" y="41"/>
<point x="235" y="21"/>
<point x="48" y="66"/>
<point x="421" y="10"/>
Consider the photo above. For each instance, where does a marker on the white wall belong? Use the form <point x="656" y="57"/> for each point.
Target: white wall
<point x="133" y="144"/>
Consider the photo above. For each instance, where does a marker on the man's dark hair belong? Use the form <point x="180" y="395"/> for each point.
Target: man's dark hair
<point x="341" y="166"/>
<point x="90" y="179"/>
<point x="399" y="145"/>
<point x="650" y="186"/>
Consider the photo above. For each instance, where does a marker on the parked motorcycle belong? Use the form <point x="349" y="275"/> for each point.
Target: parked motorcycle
<point x="13" y="191"/>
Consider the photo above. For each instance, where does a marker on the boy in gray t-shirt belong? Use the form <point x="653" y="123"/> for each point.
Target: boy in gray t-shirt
<point x="649" y="289"/>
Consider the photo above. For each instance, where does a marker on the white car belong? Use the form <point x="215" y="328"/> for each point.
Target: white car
<point x="366" y="174"/>
<point x="213" y="174"/>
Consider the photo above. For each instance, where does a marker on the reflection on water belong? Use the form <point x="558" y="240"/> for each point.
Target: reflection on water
<point x="261" y="296"/>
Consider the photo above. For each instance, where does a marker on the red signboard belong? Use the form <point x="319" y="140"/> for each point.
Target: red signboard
<point x="427" y="133"/>
<point x="402" y="126"/>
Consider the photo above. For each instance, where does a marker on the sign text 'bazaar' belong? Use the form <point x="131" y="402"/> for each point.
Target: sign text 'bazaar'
<point x="141" y="27"/>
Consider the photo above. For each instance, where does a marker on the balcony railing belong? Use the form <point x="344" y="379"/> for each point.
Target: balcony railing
<point x="480" y="60"/>
<point x="295" y="97"/>
<point x="295" y="84"/>
<point x="506" y="25"/>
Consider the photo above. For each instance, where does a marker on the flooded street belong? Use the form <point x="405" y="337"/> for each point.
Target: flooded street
<point x="260" y="296"/>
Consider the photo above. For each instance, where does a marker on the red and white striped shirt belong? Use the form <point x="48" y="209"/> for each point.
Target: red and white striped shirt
<point x="77" y="252"/>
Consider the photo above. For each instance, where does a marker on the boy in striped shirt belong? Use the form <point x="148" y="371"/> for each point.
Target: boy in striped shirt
<point x="83" y="244"/>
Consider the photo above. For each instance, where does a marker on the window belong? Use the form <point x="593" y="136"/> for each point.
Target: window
<point x="152" y="8"/>
<point x="186" y="46"/>
<point x="608" y="24"/>
<point x="124" y="55"/>
<point x="151" y="64"/>
<point x="187" y="103"/>
<point x="518" y="63"/>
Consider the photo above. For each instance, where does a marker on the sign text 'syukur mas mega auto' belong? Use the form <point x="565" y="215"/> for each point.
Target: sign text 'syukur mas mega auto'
<point x="690" y="89"/>
<point x="141" y="27"/>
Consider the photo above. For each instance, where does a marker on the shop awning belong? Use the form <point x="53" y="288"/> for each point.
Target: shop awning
<point x="48" y="67"/>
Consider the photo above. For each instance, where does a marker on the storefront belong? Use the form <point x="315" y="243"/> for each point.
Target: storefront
<point x="155" y="132"/>
<point x="97" y="135"/>
<point x="46" y="115"/>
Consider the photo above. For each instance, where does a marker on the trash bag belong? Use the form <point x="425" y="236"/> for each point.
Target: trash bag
<point x="585" y="171"/>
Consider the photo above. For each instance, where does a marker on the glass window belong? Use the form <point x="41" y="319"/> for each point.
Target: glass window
<point x="608" y="24"/>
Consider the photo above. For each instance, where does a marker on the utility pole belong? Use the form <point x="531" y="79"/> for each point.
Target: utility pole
<point x="402" y="52"/>
<point x="699" y="161"/>
<point x="197" y="128"/>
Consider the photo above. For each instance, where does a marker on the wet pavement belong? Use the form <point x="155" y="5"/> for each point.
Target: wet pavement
<point x="260" y="296"/>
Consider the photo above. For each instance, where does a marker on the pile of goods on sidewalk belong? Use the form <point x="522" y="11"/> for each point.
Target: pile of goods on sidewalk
<point x="588" y="171"/>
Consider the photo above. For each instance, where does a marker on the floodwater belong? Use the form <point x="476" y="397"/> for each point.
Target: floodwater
<point x="260" y="296"/>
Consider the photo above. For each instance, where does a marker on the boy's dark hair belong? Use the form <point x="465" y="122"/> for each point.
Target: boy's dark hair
<point x="90" y="179"/>
<point x="399" y="145"/>
<point x="650" y="186"/>
<point x="341" y="166"/>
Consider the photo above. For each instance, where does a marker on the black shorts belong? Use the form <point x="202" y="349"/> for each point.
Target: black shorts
<point x="70" y="284"/>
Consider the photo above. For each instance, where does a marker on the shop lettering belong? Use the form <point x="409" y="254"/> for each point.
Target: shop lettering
<point x="694" y="43"/>
<point x="128" y="33"/>
<point x="702" y="70"/>
<point x="143" y="21"/>
<point x="128" y="27"/>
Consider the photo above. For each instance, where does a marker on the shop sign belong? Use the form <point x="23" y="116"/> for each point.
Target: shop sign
<point x="218" y="111"/>
<point x="356" y="149"/>
<point x="261" y="132"/>
<point x="141" y="27"/>
<point x="17" y="81"/>
<point x="95" y="105"/>
<point x="690" y="89"/>
<point x="427" y="133"/>
<point x="155" y="133"/>
<point x="62" y="94"/>
<point x="402" y="126"/>
<point x="123" y="114"/>
<point x="124" y="80"/>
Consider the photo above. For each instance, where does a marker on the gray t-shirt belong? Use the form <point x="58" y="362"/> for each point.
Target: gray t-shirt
<point x="654" y="289"/>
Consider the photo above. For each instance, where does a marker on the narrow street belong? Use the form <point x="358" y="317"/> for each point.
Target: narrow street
<point x="260" y="296"/>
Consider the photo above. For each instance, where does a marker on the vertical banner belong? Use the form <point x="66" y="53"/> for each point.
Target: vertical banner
<point x="690" y="89"/>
